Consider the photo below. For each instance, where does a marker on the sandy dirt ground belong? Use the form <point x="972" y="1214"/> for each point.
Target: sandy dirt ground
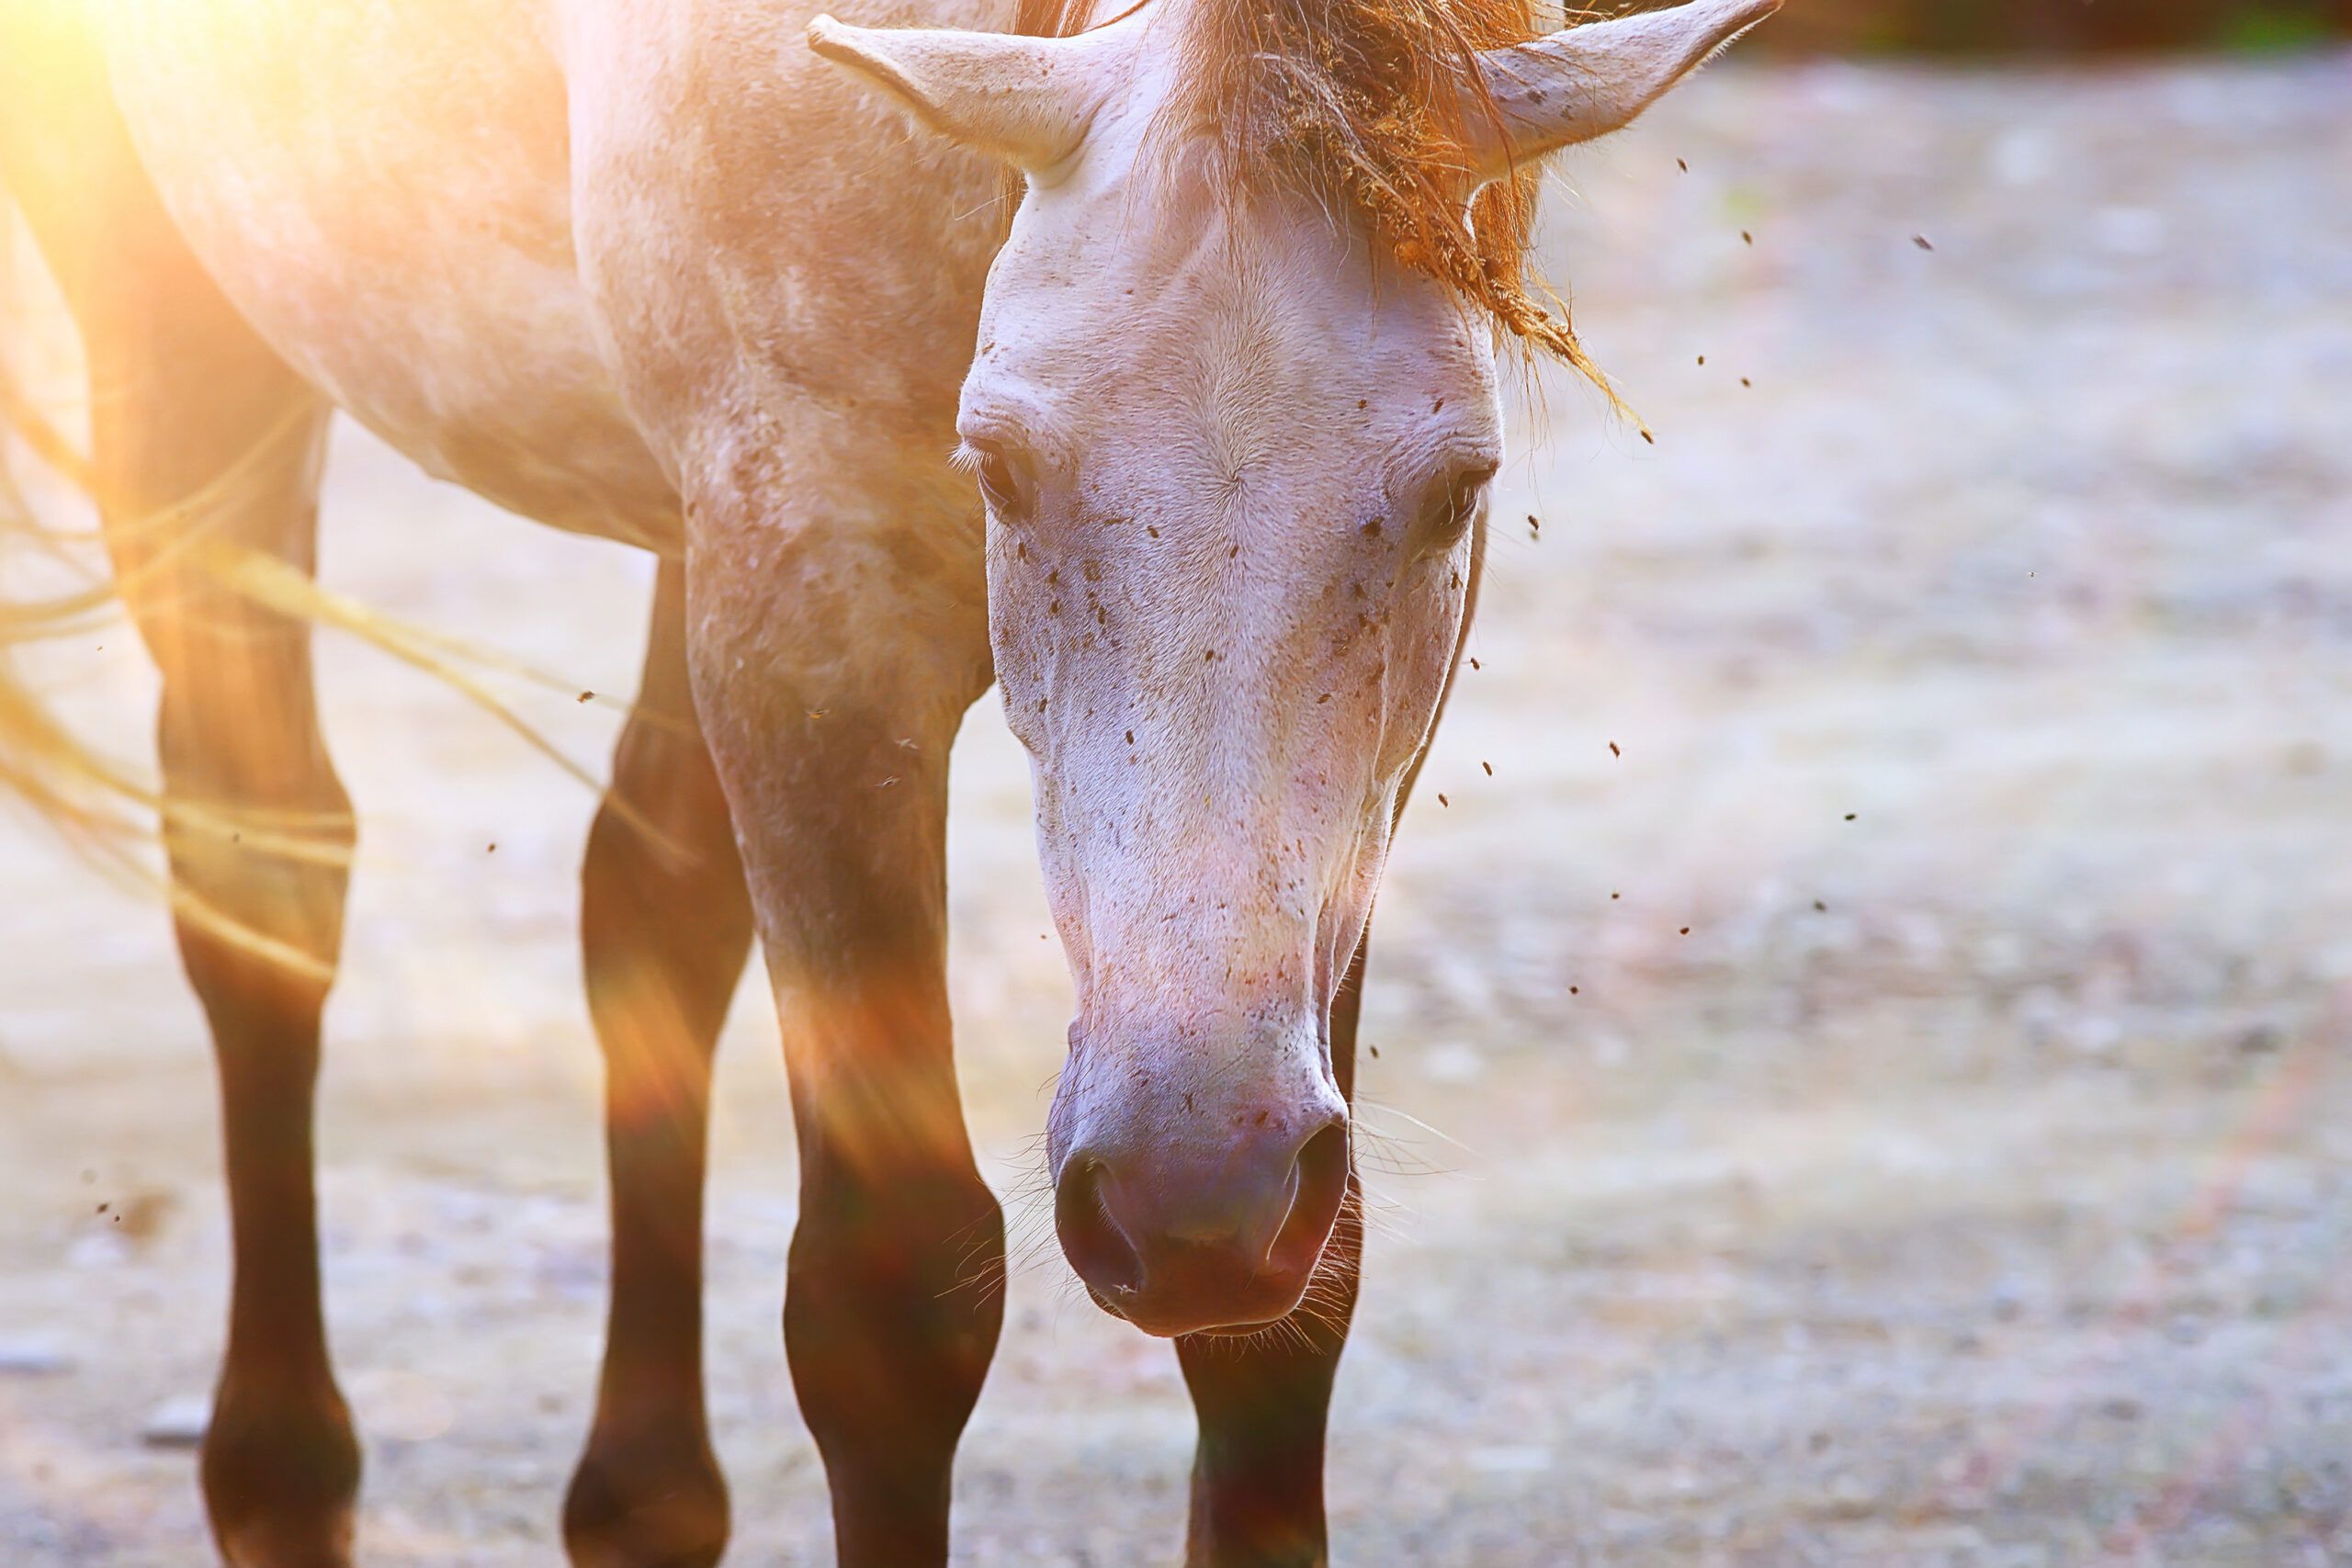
<point x="1968" y="668"/>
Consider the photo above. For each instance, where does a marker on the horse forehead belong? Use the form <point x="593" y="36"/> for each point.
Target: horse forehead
<point x="1221" y="334"/>
<point x="1203" y="324"/>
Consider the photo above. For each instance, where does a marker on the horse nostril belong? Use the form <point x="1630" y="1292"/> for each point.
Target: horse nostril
<point x="1091" y="1239"/>
<point x="1321" y="1187"/>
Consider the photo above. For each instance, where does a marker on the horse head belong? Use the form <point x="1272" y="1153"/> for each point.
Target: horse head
<point x="1234" y="414"/>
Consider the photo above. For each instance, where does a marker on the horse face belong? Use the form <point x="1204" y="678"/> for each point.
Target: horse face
<point x="1235" y="460"/>
<point x="1234" y="465"/>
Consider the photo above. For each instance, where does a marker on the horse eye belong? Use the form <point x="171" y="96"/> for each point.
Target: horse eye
<point x="1453" y="508"/>
<point x="1000" y="475"/>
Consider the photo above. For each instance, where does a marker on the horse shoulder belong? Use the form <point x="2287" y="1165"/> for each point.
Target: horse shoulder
<point x="779" y="263"/>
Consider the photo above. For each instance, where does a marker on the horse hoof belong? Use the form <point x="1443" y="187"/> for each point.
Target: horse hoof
<point x="281" y="1481"/>
<point x="314" y="1542"/>
<point x="645" y="1504"/>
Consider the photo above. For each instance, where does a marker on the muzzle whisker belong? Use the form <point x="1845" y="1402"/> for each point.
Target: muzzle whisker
<point x="1365" y="1103"/>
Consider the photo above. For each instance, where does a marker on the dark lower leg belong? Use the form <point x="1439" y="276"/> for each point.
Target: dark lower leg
<point x="665" y="926"/>
<point x="1262" y="1403"/>
<point x="894" y="1300"/>
<point x="280" y="1464"/>
<point x="259" y="936"/>
<point x="891" y="1319"/>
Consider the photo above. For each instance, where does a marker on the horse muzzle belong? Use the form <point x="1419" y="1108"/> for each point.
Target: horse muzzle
<point x="1204" y="1234"/>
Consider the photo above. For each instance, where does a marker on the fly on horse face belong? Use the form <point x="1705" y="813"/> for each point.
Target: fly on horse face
<point x="1189" y="457"/>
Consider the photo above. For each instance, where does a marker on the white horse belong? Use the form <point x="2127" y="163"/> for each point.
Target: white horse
<point x="654" y="270"/>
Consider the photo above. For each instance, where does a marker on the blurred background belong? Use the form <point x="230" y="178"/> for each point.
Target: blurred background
<point x="1863" y="1079"/>
<point x="2011" y="27"/>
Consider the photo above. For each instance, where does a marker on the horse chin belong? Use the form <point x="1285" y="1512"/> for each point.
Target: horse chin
<point x="1211" y="1331"/>
<point x="1233" y="1331"/>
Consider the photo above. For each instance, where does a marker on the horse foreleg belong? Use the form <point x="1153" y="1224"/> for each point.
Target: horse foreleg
<point x="1263" y="1401"/>
<point x="832" y="673"/>
<point x="665" y="926"/>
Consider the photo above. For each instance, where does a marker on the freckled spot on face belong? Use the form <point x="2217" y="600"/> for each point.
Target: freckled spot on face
<point x="1371" y="529"/>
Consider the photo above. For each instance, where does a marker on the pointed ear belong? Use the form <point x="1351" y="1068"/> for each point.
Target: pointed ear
<point x="1588" y="81"/>
<point x="1029" y="101"/>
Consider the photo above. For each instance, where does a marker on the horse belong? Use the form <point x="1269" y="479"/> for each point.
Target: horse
<point x="1145" y="366"/>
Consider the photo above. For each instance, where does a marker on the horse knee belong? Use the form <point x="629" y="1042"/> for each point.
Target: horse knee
<point x="890" y="1321"/>
<point x="893" y="1309"/>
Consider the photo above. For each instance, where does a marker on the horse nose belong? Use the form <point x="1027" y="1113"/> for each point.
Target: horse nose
<point x="1182" y="1240"/>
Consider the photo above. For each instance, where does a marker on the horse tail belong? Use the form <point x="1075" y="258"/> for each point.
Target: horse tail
<point x="43" y="760"/>
<point x="53" y="173"/>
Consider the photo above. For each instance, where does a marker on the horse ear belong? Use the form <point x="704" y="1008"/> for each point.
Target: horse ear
<point x="1029" y="101"/>
<point x="1587" y="82"/>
